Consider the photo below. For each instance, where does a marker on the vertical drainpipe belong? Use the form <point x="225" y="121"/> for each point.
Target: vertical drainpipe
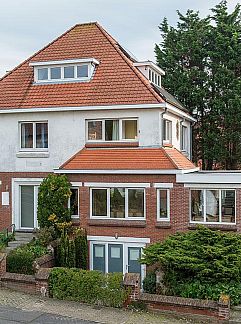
<point x="162" y="121"/>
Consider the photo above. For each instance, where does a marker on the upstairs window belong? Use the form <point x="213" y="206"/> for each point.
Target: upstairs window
<point x="67" y="70"/>
<point x="34" y="135"/>
<point x="154" y="77"/>
<point x="167" y="131"/>
<point x="213" y="205"/>
<point x="184" y="139"/>
<point x="163" y="204"/>
<point x="112" y="130"/>
<point x="73" y="203"/>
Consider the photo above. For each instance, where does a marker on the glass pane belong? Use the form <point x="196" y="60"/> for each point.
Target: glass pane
<point x="112" y="130"/>
<point x="117" y="202"/>
<point x="99" y="202"/>
<point x="228" y="206"/>
<point x="69" y="72"/>
<point x="212" y="205"/>
<point x="163" y="213"/>
<point x="129" y="129"/>
<point x="94" y="130"/>
<point x="43" y="74"/>
<point x="136" y="202"/>
<point x="27" y="135"/>
<point x="184" y="138"/>
<point x="27" y="206"/>
<point x="74" y="202"/>
<point x="99" y="257"/>
<point x="197" y="214"/>
<point x="55" y="73"/>
<point x="82" y="71"/>
<point x="42" y="135"/>
<point x="134" y="254"/>
<point x="115" y="262"/>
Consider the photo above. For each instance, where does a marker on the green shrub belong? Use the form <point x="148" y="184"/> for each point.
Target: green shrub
<point x="81" y="248"/>
<point x="92" y="287"/>
<point x="20" y="260"/>
<point x="46" y="235"/>
<point x="149" y="283"/>
<point x="53" y="197"/>
<point x="201" y="254"/>
<point x="208" y="290"/>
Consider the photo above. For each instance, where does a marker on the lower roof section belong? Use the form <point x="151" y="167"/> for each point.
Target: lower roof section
<point x="165" y="160"/>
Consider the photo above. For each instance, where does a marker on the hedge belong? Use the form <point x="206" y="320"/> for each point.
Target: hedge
<point x="20" y="260"/>
<point x="91" y="287"/>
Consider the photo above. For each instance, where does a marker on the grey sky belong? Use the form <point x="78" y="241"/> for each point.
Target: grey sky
<point x="28" y="25"/>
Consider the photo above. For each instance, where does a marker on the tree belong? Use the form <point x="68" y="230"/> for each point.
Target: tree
<point x="53" y="197"/>
<point x="201" y="58"/>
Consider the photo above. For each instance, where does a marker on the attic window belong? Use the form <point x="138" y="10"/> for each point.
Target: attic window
<point x="62" y="71"/>
<point x="154" y="77"/>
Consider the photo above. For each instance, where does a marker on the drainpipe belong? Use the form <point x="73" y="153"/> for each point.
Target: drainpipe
<point x="162" y="121"/>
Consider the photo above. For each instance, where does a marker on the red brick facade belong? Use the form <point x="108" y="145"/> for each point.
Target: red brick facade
<point x="148" y="228"/>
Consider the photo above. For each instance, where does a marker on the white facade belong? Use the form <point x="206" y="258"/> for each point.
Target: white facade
<point x="67" y="135"/>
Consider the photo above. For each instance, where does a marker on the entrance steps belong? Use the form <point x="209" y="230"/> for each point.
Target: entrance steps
<point x="21" y="238"/>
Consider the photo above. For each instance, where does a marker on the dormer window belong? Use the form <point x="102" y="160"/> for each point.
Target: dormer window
<point x="151" y="71"/>
<point x="63" y="71"/>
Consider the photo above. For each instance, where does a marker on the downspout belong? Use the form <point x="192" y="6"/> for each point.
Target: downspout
<point x="162" y="121"/>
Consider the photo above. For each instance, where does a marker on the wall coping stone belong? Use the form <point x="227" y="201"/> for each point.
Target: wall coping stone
<point x="174" y="300"/>
<point x="43" y="274"/>
<point x="18" y="277"/>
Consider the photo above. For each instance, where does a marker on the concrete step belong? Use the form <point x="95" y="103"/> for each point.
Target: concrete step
<point x="16" y="244"/>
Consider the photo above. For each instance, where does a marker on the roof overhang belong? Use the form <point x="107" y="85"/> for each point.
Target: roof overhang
<point x="61" y="62"/>
<point x="68" y="171"/>
<point x="151" y="65"/>
<point x="163" y="105"/>
<point x="210" y="177"/>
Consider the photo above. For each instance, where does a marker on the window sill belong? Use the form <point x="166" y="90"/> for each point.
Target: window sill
<point x="32" y="154"/>
<point x="112" y="144"/>
<point x="117" y="223"/>
<point x="163" y="224"/>
<point x="224" y="227"/>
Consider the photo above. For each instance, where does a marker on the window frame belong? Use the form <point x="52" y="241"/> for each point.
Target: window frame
<point x="121" y="139"/>
<point x="169" y="122"/>
<point x="62" y="79"/>
<point x="184" y="140"/>
<point x="34" y="148"/>
<point x="75" y="216"/>
<point x="205" y="207"/>
<point x="167" y="219"/>
<point x="109" y="204"/>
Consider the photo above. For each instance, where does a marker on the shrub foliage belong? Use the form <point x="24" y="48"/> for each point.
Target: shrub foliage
<point x="53" y="197"/>
<point x="201" y="263"/>
<point x="20" y="260"/>
<point x="92" y="287"/>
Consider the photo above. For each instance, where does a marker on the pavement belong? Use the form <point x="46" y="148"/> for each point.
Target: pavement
<point x="17" y="307"/>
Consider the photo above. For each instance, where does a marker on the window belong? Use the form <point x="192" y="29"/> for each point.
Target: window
<point x="167" y="130"/>
<point x="34" y="135"/>
<point x="184" y="139"/>
<point x="163" y="204"/>
<point x="58" y="73"/>
<point x="154" y="77"/>
<point x="74" y="202"/>
<point x="213" y="205"/>
<point x="117" y="203"/>
<point x="112" y="130"/>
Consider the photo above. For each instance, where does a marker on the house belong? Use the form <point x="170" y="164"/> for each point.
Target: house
<point x="82" y="106"/>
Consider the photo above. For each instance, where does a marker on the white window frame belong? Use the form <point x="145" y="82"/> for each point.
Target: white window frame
<point x="121" y="139"/>
<point x="75" y="216"/>
<point x="164" y="134"/>
<point x="126" y="242"/>
<point x="205" y="207"/>
<point x="162" y="219"/>
<point x="154" y="77"/>
<point x="184" y="139"/>
<point x="34" y="148"/>
<point x="63" y="79"/>
<point x="108" y="204"/>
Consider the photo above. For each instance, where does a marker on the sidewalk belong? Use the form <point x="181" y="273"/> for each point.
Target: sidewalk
<point x="85" y="312"/>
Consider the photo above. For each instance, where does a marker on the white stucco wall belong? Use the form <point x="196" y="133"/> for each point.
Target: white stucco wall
<point x="66" y="135"/>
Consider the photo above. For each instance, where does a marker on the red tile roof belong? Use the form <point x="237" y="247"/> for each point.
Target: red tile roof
<point x="116" y="80"/>
<point x="128" y="159"/>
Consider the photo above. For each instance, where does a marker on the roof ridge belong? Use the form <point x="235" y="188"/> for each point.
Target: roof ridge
<point x="114" y="43"/>
<point x="170" y="159"/>
<point x="42" y="49"/>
